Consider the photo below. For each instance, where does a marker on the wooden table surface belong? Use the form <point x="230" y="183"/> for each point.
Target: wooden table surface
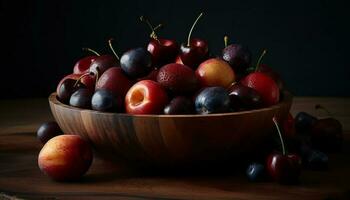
<point x="21" y="178"/>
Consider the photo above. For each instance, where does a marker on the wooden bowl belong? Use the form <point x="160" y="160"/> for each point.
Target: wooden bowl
<point x="169" y="139"/>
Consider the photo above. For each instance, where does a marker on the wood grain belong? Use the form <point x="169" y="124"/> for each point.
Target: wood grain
<point x="21" y="177"/>
<point x="168" y="139"/>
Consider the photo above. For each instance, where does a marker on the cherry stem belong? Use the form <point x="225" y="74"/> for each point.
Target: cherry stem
<point x="318" y="106"/>
<point x="193" y="25"/>
<point x="260" y="59"/>
<point x="226" y="40"/>
<point x="91" y="50"/>
<point x="158" y="27"/>
<point x="111" y="47"/>
<point x="79" y="79"/>
<point x="153" y="33"/>
<point x="280" y="134"/>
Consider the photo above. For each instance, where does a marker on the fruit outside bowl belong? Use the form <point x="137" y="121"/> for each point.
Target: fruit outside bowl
<point x="164" y="140"/>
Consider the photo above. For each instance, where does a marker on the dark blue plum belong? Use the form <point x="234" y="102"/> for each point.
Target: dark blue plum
<point x="136" y="63"/>
<point x="256" y="172"/>
<point x="212" y="100"/>
<point x="106" y="101"/>
<point x="81" y="98"/>
<point x="48" y="130"/>
<point x="179" y="106"/>
<point x="316" y="160"/>
<point x="304" y="122"/>
<point x="238" y="56"/>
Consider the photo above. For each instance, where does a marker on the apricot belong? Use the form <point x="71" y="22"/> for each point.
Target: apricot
<point x="65" y="157"/>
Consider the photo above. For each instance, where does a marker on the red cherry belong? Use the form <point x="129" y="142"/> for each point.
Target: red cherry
<point x="163" y="51"/>
<point x="82" y="66"/>
<point x="284" y="168"/>
<point x="195" y="51"/>
<point x="264" y="85"/>
<point x="271" y="73"/>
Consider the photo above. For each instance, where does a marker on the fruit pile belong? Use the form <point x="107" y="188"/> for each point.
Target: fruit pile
<point x="170" y="79"/>
<point x="167" y="78"/>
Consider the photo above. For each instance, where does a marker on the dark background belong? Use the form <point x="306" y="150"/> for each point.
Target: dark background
<point x="307" y="41"/>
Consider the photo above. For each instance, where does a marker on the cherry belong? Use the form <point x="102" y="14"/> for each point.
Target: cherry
<point x="284" y="168"/>
<point x="271" y="73"/>
<point x="66" y="88"/>
<point x="82" y="66"/>
<point x="244" y="98"/>
<point x="264" y="85"/>
<point x="195" y="51"/>
<point x="163" y="51"/>
<point x="100" y="64"/>
<point x="48" y="130"/>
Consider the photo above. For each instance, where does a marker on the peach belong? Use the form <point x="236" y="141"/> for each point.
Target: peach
<point x="65" y="157"/>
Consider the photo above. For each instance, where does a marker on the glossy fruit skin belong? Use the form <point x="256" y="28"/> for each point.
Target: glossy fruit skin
<point x="163" y="51"/>
<point x="238" y="56"/>
<point x="105" y="101"/>
<point x="264" y="85"/>
<point x="65" y="158"/>
<point x="66" y="88"/>
<point x="284" y="168"/>
<point x="102" y="63"/>
<point x="48" y="130"/>
<point x="215" y="72"/>
<point x="288" y="126"/>
<point x="146" y="97"/>
<point x="137" y="62"/>
<point x="114" y="80"/>
<point x="178" y="79"/>
<point x="195" y="53"/>
<point x="256" y="172"/>
<point x="327" y="135"/>
<point x="81" y="98"/>
<point x="244" y="98"/>
<point x="304" y="122"/>
<point x="271" y="73"/>
<point x="212" y="100"/>
<point x="179" y="106"/>
<point x="87" y="81"/>
<point x="83" y="65"/>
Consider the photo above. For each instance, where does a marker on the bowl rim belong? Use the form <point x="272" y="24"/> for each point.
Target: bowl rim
<point x="287" y="98"/>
